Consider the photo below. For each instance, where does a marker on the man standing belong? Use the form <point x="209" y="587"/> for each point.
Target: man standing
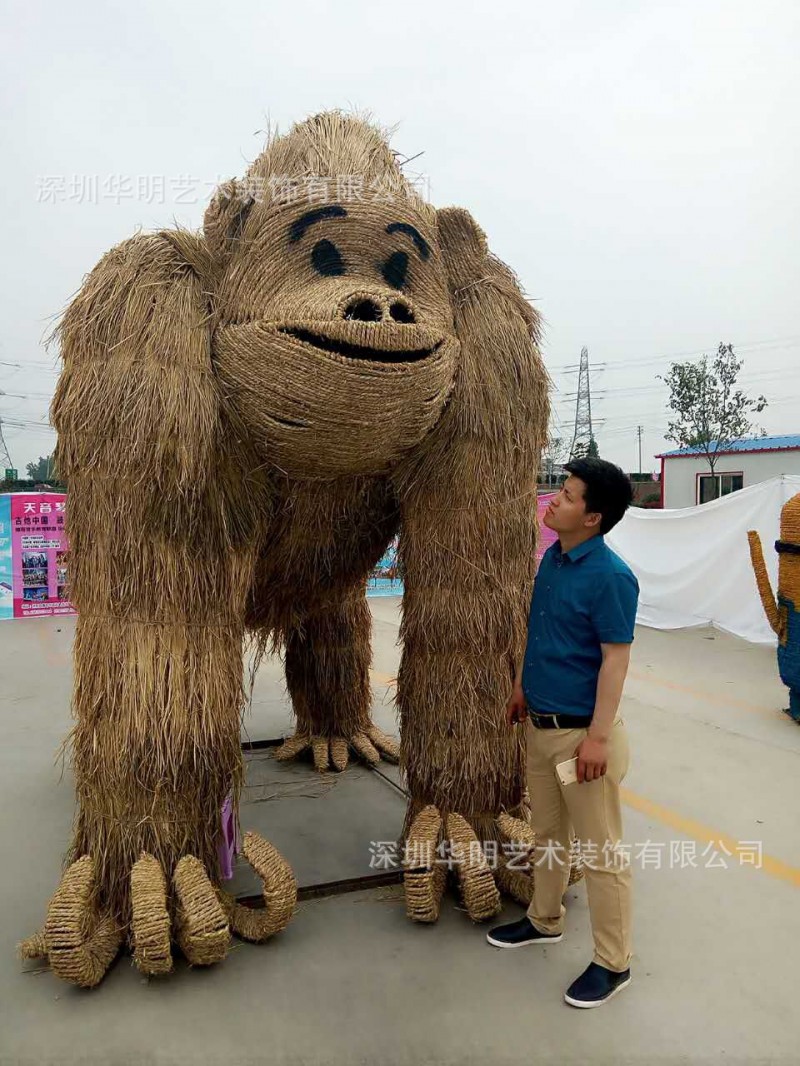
<point x="568" y="691"/>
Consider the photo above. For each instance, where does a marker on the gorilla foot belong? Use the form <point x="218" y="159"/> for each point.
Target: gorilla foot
<point x="426" y="869"/>
<point x="371" y="744"/>
<point x="81" y="943"/>
<point x="280" y="893"/>
<point x="480" y="884"/>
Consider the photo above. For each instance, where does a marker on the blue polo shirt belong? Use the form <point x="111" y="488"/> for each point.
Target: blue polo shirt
<point x="581" y="599"/>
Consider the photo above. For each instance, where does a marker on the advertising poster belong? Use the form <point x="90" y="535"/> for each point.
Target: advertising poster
<point x="384" y="580"/>
<point x="546" y="536"/>
<point x="6" y="570"/>
<point x="38" y="551"/>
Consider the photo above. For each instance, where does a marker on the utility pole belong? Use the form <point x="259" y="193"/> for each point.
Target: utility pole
<point x="639" y="433"/>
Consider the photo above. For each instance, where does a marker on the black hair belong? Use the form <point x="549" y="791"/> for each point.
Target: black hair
<point x="608" y="489"/>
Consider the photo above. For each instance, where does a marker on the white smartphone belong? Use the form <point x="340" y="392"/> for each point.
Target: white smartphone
<point x="568" y="771"/>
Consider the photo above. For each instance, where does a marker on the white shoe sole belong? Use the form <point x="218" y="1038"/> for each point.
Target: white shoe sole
<point x="525" y="943"/>
<point x="596" y="1002"/>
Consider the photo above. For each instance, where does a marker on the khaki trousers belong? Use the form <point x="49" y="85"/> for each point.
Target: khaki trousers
<point x="591" y="812"/>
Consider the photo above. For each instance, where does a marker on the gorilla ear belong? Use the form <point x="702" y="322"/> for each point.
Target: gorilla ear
<point x="469" y="263"/>
<point x="225" y="219"/>
<point x="500" y="389"/>
<point x="463" y="245"/>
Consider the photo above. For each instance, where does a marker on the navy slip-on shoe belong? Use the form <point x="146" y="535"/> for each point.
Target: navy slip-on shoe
<point x="596" y="986"/>
<point x="518" y="934"/>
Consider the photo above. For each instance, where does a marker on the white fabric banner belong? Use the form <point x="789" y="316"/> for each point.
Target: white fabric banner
<point x="693" y="564"/>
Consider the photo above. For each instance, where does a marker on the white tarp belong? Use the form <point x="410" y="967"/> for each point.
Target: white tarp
<point x="693" y="564"/>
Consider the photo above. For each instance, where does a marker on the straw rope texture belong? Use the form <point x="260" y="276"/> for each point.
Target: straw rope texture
<point x="783" y="615"/>
<point x="246" y="416"/>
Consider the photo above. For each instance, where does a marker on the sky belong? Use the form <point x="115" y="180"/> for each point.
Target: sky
<point x="635" y="163"/>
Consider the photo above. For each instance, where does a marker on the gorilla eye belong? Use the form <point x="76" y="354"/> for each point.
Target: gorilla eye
<point x="327" y="260"/>
<point x="395" y="269"/>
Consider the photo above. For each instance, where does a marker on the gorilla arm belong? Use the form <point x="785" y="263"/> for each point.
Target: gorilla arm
<point x="467" y="557"/>
<point x="159" y="564"/>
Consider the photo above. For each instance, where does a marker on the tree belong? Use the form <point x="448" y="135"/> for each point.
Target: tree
<point x="555" y="454"/>
<point x="42" y="469"/>
<point x="586" y="451"/>
<point x="709" y="412"/>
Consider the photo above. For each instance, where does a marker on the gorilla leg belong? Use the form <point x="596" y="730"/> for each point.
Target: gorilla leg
<point x="327" y="672"/>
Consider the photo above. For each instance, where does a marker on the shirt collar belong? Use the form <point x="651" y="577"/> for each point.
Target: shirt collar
<point x="582" y="550"/>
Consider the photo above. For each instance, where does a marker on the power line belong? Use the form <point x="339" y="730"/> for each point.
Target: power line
<point x="32" y="364"/>
<point x="792" y="341"/>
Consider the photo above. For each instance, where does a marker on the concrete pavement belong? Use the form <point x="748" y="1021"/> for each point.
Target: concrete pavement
<point x="714" y="770"/>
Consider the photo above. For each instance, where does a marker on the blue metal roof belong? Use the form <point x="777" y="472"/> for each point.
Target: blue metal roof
<point x="751" y="444"/>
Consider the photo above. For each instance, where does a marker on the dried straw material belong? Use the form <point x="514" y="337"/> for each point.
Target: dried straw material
<point x="246" y="417"/>
<point x="202" y="926"/>
<point x="481" y="897"/>
<point x="280" y="893"/>
<point x="33" y="947"/>
<point x="81" y="944"/>
<point x="339" y="753"/>
<point x="293" y="746"/>
<point x="514" y="882"/>
<point x="328" y="653"/>
<point x="788" y="570"/>
<point x="467" y="549"/>
<point x="424" y="878"/>
<point x="518" y="832"/>
<point x="575" y="871"/>
<point x="784" y="615"/>
<point x="386" y="745"/>
<point x="150" y="924"/>
<point x="762" y="580"/>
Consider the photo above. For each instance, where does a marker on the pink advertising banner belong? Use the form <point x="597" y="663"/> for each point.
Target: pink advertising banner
<point x="38" y="554"/>
<point x="546" y="536"/>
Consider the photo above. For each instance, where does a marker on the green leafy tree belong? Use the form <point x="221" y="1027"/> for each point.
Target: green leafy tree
<point x="708" y="411"/>
<point x="586" y="451"/>
<point x="42" y="469"/>
<point x="554" y="455"/>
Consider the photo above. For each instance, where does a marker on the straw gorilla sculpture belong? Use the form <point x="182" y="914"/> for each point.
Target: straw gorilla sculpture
<point x="246" y="417"/>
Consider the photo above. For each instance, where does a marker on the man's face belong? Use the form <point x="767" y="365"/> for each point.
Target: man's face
<point x="566" y="512"/>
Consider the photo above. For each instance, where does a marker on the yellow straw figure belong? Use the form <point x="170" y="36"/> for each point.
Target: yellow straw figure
<point x="247" y="416"/>
<point x="784" y="616"/>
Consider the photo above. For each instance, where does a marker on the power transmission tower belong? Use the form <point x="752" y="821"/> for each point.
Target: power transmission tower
<point x="583" y="442"/>
<point x="639" y="433"/>
<point x="5" y="458"/>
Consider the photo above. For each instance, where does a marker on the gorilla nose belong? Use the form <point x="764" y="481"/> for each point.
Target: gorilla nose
<point x="367" y="309"/>
<point x="364" y="310"/>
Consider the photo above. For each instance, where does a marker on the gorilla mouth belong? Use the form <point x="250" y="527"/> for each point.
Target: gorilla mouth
<point x="358" y="351"/>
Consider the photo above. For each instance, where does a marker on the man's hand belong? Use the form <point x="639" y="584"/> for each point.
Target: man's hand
<point x="592" y="757"/>
<point x="517" y="707"/>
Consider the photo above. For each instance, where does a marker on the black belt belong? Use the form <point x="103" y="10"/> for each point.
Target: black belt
<point x="558" y="721"/>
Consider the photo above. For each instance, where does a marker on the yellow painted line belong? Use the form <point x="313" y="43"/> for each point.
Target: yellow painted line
<point x="704" y="834"/>
<point x="709" y="697"/>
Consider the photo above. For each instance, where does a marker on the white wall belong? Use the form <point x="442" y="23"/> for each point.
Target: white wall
<point x="680" y="475"/>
